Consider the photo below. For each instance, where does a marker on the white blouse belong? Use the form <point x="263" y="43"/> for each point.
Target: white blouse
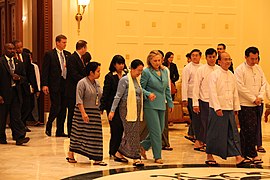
<point x="223" y="92"/>
<point x="201" y="84"/>
<point x="250" y="83"/>
<point x="188" y="75"/>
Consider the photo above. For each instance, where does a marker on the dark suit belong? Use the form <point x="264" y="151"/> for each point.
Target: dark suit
<point x="116" y="125"/>
<point x="28" y="104"/>
<point x="12" y="99"/>
<point x="52" y="77"/>
<point x="75" y="72"/>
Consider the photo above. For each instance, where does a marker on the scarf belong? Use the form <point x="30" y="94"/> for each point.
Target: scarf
<point x="132" y="102"/>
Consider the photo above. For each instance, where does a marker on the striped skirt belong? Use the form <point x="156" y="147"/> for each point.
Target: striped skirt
<point x="86" y="138"/>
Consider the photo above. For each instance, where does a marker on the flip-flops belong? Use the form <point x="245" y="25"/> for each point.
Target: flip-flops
<point x="261" y="150"/>
<point x="190" y="139"/>
<point x="245" y="163"/>
<point x="71" y="160"/>
<point x="201" y="149"/>
<point x="212" y="163"/>
<point x="101" y="163"/>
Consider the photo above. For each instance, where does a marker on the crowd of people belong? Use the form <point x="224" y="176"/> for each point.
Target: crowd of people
<point x="213" y="93"/>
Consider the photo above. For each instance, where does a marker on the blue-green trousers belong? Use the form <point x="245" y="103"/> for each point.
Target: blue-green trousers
<point x="155" y="120"/>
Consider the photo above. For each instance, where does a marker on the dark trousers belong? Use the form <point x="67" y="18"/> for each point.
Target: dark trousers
<point x="196" y="120"/>
<point x="259" y="127"/>
<point x="27" y="108"/>
<point x="204" y="113"/>
<point x="71" y="105"/>
<point x="58" y="109"/>
<point x="16" y="124"/>
<point x="248" y="119"/>
<point x="190" y="110"/>
<point x="165" y="133"/>
<point x="117" y="130"/>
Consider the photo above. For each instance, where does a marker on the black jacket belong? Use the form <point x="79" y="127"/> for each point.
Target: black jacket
<point x="30" y="75"/>
<point x="5" y="79"/>
<point x="75" y="72"/>
<point x="51" y="70"/>
<point x="109" y="91"/>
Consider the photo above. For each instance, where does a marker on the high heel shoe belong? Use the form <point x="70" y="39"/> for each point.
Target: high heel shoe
<point x="158" y="161"/>
<point x="71" y="160"/>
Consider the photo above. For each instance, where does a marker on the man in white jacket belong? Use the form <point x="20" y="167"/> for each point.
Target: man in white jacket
<point x="251" y="87"/>
<point x="188" y="75"/>
<point x="222" y="136"/>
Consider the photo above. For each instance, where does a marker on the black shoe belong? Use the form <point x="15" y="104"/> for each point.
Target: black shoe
<point x="22" y="141"/>
<point x="48" y="130"/>
<point x="61" y="135"/>
<point x="124" y="160"/>
<point x="3" y="142"/>
<point x="27" y="129"/>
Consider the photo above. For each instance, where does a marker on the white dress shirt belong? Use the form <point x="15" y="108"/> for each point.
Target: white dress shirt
<point x="250" y="83"/>
<point x="37" y="73"/>
<point x="188" y="75"/>
<point x="223" y="92"/>
<point x="201" y="85"/>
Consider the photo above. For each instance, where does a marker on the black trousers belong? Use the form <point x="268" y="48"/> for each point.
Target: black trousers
<point x="117" y="130"/>
<point x="248" y="119"/>
<point x="27" y="108"/>
<point x="58" y="109"/>
<point x="71" y="105"/>
<point x="16" y="124"/>
<point x="259" y="127"/>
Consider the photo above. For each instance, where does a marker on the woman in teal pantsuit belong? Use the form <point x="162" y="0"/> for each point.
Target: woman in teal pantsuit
<point x="154" y="82"/>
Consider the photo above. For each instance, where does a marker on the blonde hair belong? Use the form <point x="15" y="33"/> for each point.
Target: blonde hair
<point x="150" y="56"/>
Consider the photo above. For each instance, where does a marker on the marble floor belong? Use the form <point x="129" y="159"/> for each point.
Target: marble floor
<point x="44" y="157"/>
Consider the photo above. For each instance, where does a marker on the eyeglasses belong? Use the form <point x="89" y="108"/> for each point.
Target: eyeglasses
<point x="219" y="48"/>
<point x="227" y="59"/>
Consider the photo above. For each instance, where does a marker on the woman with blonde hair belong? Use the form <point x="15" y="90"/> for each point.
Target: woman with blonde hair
<point x="155" y="85"/>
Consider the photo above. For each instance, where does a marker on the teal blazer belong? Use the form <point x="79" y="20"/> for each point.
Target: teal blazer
<point x="159" y="85"/>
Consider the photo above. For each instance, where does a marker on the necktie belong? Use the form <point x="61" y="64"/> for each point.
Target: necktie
<point x="12" y="69"/>
<point x="11" y="66"/>
<point x="63" y="65"/>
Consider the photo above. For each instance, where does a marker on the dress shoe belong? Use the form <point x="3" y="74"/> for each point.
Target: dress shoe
<point x="3" y="142"/>
<point x="22" y="141"/>
<point x="48" y="130"/>
<point x="27" y="129"/>
<point x="61" y="135"/>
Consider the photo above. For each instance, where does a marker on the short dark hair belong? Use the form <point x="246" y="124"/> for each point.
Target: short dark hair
<point x="221" y="44"/>
<point x="167" y="56"/>
<point x="135" y="63"/>
<point x="252" y="50"/>
<point x="25" y="50"/>
<point x="60" y="37"/>
<point x="117" y="59"/>
<point x="81" y="44"/>
<point x="210" y="51"/>
<point x="16" y="41"/>
<point x="196" y="50"/>
<point x="161" y="52"/>
<point x="87" y="57"/>
<point x="91" y="67"/>
<point x="188" y="55"/>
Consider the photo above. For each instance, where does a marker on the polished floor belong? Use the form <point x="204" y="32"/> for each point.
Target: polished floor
<point x="44" y="158"/>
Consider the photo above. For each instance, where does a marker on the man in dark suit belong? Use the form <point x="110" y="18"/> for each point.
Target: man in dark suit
<point x="30" y="86"/>
<point x="12" y="76"/>
<point x="53" y="82"/>
<point x="75" y="72"/>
